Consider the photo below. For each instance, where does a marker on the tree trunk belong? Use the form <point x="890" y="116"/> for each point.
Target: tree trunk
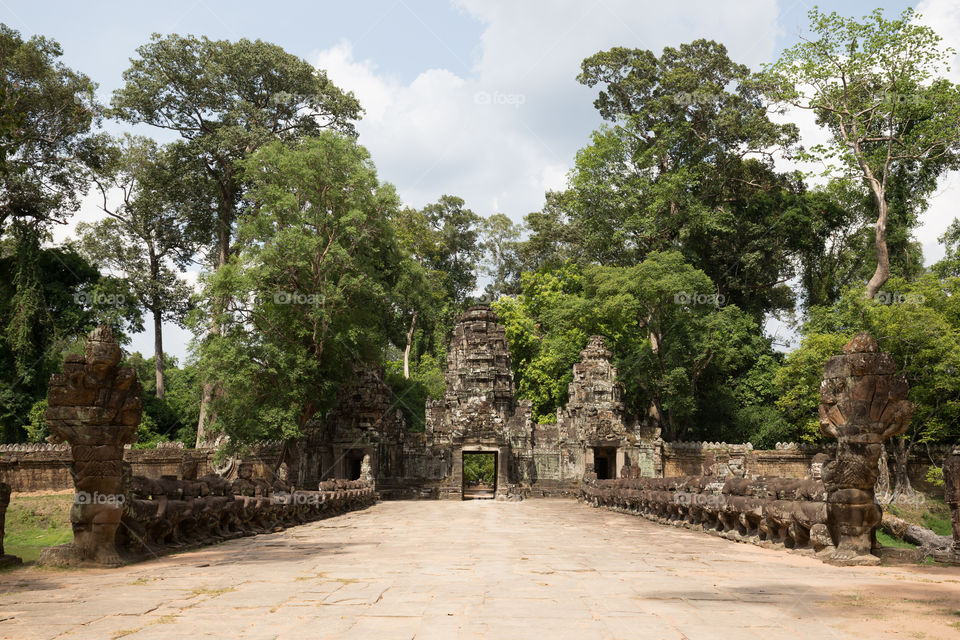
<point x="206" y="399"/>
<point x="882" y="488"/>
<point x="882" y="272"/>
<point x="209" y="387"/>
<point x="901" y="479"/>
<point x="158" y="351"/>
<point x="406" y="351"/>
<point x="914" y="533"/>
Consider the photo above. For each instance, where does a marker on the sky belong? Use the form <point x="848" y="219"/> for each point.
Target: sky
<point x="472" y="98"/>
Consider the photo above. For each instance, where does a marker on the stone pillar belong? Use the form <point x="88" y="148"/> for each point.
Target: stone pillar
<point x="5" y="560"/>
<point x="951" y="482"/>
<point x="863" y="401"/>
<point x="95" y="406"/>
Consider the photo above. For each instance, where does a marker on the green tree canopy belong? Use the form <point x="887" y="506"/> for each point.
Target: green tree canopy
<point x="48" y="111"/>
<point x="308" y="287"/>
<point x="685" y="163"/>
<point x="894" y="121"/>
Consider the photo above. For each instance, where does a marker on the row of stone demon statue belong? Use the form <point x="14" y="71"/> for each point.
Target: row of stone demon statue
<point x="95" y="406"/>
<point x="863" y="401"/>
<point x="168" y="514"/>
<point x="783" y="511"/>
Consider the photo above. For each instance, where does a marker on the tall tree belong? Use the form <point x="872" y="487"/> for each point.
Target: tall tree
<point x="875" y="86"/>
<point x="48" y="112"/>
<point x="673" y="346"/>
<point x="227" y="99"/>
<point x="919" y="325"/>
<point x="419" y="294"/>
<point x="71" y="298"/>
<point x="685" y="162"/>
<point x="687" y="333"/>
<point x="457" y="249"/>
<point x="441" y="244"/>
<point x="500" y="241"/>
<point x="47" y="116"/>
<point x="148" y="237"/>
<point x="308" y="288"/>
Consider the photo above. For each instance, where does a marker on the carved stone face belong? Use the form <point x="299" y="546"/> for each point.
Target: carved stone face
<point x="861" y="396"/>
<point x="102" y="349"/>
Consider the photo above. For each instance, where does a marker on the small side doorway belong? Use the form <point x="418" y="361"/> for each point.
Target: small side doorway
<point x="479" y="475"/>
<point x="353" y="463"/>
<point x="605" y="462"/>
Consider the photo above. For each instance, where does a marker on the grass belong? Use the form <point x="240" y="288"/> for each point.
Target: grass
<point x="937" y="523"/>
<point x="889" y="541"/>
<point x="930" y="512"/>
<point x="126" y="632"/>
<point x="35" y="522"/>
<point x="203" y="591"/>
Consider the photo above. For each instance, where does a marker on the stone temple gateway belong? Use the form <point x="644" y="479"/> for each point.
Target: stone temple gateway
<point x="480" y="413"/>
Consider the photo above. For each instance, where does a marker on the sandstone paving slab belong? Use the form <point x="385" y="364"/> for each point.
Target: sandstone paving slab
<point x="709" y="632"/>
<point x="365" y="593"/>
<point x="537" y="628"/>
<point x="544" y="569"/>
<point x="645" y="626"/>
<point x="34" y="631"/>
<point x="448" y="607"/>
<point x="519" y="609"/>
<point x="107" y="627"/>
<point x="387" y="628"/>
<point x="395" y="602"/>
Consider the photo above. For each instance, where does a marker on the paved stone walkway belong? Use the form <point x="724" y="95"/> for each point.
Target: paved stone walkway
<point x="545" y="569"/>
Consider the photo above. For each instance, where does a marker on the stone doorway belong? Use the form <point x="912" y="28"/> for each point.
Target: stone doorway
<point x="605" y="462"/>
<point x="479" y="476"/>
<point x="353" y="463"/>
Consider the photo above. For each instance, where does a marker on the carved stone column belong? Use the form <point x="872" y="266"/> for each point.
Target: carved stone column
<point x="95" y="406"/>
<point x="951" y="482"/>
<point x="863" y="401"/>
<point x="5" y="560"/>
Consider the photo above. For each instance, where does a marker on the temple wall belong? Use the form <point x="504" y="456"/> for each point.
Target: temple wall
<point x="42" y="467"/>
<point x="788" y="460"/>
<point x="45" y="467"/>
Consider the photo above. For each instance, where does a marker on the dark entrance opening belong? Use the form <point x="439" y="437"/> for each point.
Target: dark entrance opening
<point x="353" y="464"/>
<point x="479" y="475"/>
<point x="605" y="462"/>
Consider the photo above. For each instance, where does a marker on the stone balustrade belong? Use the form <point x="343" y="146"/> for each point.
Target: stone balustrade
<point x="788" y="512"/>
<point x="167" y="515"/>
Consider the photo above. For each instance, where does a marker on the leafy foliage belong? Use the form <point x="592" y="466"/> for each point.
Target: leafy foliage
<point x="684" y="164"/>
<point x="894" y="122"/>
<point x="479" y="468"/>
<point x="306" y="290"/>
<point x="48" y="112"/>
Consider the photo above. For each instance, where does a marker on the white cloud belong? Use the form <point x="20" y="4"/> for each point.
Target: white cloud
<point x="503" y="135"/>
<point x="377" y="92"/>
<point x="944" y="17"/>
